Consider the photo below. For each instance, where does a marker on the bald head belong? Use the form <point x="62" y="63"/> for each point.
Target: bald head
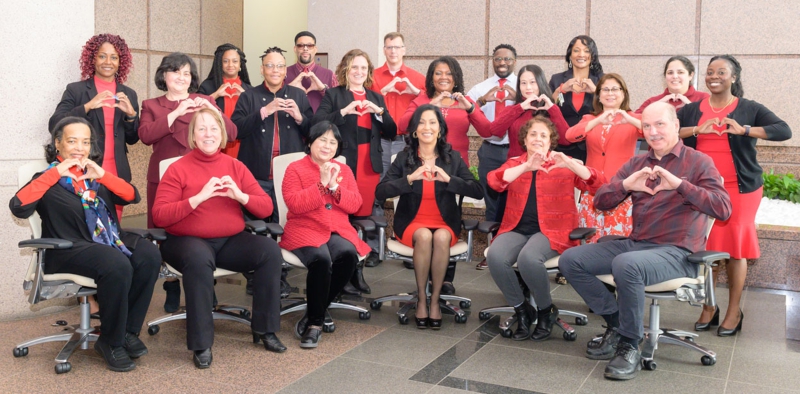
<point x="660" y="127"/>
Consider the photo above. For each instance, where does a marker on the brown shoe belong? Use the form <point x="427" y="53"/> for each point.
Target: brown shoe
<point x="482" y="265"/>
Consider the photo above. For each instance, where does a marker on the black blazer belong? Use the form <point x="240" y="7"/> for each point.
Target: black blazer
<point x="578" y="149"/>
<point x="743" y="149"/>
<point x="79" y="93"/>
<point x="462" y="183"/>
<point x="339" y="97"/>
<point x="207" y="87"/>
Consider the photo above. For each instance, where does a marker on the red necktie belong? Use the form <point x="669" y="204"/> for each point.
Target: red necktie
<point x="500" y="104"/>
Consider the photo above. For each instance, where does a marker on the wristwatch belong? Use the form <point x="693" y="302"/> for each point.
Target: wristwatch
<point x="381" y="113"/>
<point x="747" y="130"/>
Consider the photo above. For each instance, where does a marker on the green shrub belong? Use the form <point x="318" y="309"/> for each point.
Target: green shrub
<point x="474" y="171"/>
<point x="781" y="187"/>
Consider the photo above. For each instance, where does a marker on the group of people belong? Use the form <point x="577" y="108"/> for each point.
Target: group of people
<point x="541" y="141"/>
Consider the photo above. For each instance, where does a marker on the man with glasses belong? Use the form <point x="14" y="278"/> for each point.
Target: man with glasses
<point x="306" y="74"/>
<point x="493" y="95"/>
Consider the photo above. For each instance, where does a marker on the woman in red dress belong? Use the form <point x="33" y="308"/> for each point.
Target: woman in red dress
<point x="427" y="175"/>
<point x="726" y="127"/>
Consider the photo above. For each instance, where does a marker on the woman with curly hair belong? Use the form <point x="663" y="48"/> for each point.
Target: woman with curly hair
<point x="227" y="80"/>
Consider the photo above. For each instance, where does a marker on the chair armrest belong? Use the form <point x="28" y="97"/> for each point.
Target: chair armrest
<point x="138" y="231"/>
<point x="488" y="226"/>
<point x="611" y="238"/>
<point x="707" y="257"/>
<point x="157" y="234"/>
<point x="582" y="233"/>
<point x="379" y="221"/>
<point x="257" y="226"/>
<point x="46" y="243"/>
<point x="469" y="224"/>
<point x="363" y="224"/>
<point x="272" y="228"/>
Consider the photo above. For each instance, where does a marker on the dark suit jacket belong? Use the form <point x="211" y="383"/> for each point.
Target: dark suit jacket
<point x="461" y="183"/>
<point x="79" y="93"/>
<point x="339" y="97"/>
<point x="207" y="87"/>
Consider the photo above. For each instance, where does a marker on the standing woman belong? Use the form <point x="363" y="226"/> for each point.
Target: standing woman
<point x="726" y="127"/>
<point x="610" y="133"/>
<point x="427" y="175"/>
<point x="227" y="80"/>
<point x="444" y="88"/>
<point x="573" y="90"/>
<point x="678" y="75"/>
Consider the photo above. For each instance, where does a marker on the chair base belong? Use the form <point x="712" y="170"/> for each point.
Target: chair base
<point x="506" y="325"/>
<point x="654" y="333"/>
<point x="220" y="312"/>
<point x="300" y="304"/>
<point x="409" y="301"/>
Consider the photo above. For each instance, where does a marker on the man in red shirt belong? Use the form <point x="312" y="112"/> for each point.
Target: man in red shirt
<point x="674" y="189"/>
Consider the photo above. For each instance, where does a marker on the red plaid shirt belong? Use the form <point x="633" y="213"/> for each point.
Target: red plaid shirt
<point x="674" y="217"/>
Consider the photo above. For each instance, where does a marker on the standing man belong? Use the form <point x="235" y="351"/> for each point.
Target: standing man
<point x="493" y="95"/>
<point x="307" y="75"/>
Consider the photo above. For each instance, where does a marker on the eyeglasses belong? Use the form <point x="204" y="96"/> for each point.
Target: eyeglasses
<point x="270" y="66"/>
<point x="394" y="48"/>
<point x="615" y="89"/>
<point x="507" y="59"/>
<point x="308" y="46"/>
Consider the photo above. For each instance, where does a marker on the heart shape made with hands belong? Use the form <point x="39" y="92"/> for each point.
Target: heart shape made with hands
<point x="719" y="127"/>
<point x="362" y="108"/>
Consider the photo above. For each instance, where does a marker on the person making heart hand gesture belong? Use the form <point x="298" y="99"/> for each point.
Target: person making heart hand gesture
<point x="678" y="76"/>
<point x="306" y="74"/>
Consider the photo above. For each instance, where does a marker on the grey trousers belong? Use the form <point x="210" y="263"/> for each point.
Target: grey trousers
<point x="634" y="264"/>
<point x="490" y="158"/>
<point x="530" y="253"/>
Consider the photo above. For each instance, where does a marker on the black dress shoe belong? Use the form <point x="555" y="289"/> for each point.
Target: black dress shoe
<point x="626" y="363"/>
<point x="311" y="337"/>
<point x="173" y="301"/>
<point x="134" y="346"/>
<point x="271" y="341"/>
<point x="408" y="264"/>
<point x="372" y="260"/>
<point x="357" y="280"/>
<point x="525" y="315"/>
<point x="728" y="332"/>
<point x="349" y="289"/>
<point x="546" y="318"/>
<point x="707" y="326"/>
<point x="116" y="357"/>
<point x="603" y="349"/>
<point x="300" y="326"/>
<point x="202" y="358"/>
<point x="448" y="288"/>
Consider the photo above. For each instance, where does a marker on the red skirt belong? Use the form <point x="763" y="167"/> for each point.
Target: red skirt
<point x="367" y="180"/>
<point x="428" y="217"/>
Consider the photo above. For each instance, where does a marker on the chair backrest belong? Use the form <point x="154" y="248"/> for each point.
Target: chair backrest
<point x="164" y="164"/>
<point x="279" y="166"/>
<point x="24" y="175"/>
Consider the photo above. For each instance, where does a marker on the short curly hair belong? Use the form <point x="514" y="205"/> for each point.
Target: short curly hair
<point x="523" y="131"/>
<point x="90" y="51"/>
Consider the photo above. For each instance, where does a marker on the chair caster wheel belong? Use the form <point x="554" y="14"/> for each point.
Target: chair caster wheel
<point x="153" y="330"/>
<point x="649" y="365"/>
<point x="245" y="314"/>
<point x="484" y="316"/>
<point x="461" y="319"/>
<point x="403" y="319"/>
<point x="465" y="304"/>
<point x="690" y="339"/>
<point x="329" y="328"/>
<point x="570" y="336"/>
<point x="63" y="368"/>
<point x="581" y="321"/>
<point x="506" y="333"/>
<point x="364" y="315"/>
<point x="20" y="351"/>
<point x="375" y="305"/>
<point x="708" y="360"/>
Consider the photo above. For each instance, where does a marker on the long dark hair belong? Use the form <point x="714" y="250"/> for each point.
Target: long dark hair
<point x="455" y="70"/>
<point x="216" y="72"/>
<point x="736" y="71"/>
<point x="443" y="148"/>
<point x="50" y="151"/>
<point x="544" y="87"/>
<point x="595" y="68"/>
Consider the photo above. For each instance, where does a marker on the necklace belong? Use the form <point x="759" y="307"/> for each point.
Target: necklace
<point x="723" y="107"/>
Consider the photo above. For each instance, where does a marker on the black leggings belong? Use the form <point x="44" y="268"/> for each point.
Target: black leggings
<point x="197" y="259"/>
<point x="330" y="267"/>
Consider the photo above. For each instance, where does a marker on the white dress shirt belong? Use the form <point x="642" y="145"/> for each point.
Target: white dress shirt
<point x="480" y="89"/>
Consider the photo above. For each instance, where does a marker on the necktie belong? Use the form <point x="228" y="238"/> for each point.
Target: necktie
<point x="500" y="104"/>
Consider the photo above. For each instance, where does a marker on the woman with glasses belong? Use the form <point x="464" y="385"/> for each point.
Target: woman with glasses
<point x="610" y="133"/>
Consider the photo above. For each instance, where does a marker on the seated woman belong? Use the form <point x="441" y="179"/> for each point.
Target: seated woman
<point x="320" y="193"/>
<point x="539" y="215"/>
<point x="199" y="203"/>
<point x="427" y="175"/>
<point x="75" y="198"/>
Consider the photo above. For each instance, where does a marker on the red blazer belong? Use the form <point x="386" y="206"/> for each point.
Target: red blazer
<point x="514" y="117"/>
<point x="169" y="141"/>
<point x="692" y="94"/>
<point x="308" y="221"/>
<point x="618" y="149"/>
<point x="555" y="199"/>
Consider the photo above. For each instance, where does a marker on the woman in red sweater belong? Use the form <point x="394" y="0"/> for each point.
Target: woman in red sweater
<point x="320" y="194"/>
<point x="678" y="75"/>
<point x="199" y="203"/>
<point x="610" y="132"/>
<point x="539" y="215"/>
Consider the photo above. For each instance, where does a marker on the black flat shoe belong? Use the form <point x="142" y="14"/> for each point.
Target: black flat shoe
<point x="311" y="337"/>
<point x="271" y="342"/>
<point x="134" y="346"/>
<point x="202" y="358"/>
<point x="707" y="326"/>
<point x="300" y="326"/>
<point x="729" y="332"/>
<point x="372" y="260"/>
<point x="116" y="357"/>
<point x="604" y="348"/>
<point x="626" y="363"/>
<point x="349" y="289"/>
<point x="448" y="288"/>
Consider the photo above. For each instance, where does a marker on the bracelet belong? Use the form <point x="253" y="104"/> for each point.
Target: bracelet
<point x="481" y="102"/>
<point x="471" y="109"/>
<point x="694" y="131"/>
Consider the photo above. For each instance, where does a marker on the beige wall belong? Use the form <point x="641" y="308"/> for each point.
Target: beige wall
<point x="269" y="23"/>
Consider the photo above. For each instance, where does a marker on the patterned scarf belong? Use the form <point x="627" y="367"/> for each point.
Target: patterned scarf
<point x="99" y="222"/>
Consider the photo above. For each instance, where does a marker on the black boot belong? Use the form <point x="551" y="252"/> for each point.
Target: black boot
<point x="544" y="323"/>
<point x="349" y="289"/>
<point x="358" y="279"/>
<point x="173" y="301"/>
<point x="525" y="314"/>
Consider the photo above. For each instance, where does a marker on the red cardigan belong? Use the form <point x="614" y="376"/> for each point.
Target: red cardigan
<point x="308" y="221"/>
<point x="555" y="199"/>
<point x="619" y="147"/>
<point x="514" y="117"/>
<point x="691" y="94"/>
<point x="216" y="217"/>
<point x="169" y="141"/>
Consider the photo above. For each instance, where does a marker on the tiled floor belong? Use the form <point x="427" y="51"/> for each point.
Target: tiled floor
<point x="381" y="356"/>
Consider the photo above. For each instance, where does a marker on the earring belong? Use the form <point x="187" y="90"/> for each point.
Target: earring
<point x="414" y="134"/>
<point x="570" y="64"/>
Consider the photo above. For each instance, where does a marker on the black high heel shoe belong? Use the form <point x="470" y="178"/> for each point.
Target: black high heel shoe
<point x="422" y="322"/>
<point x="707" y="326"/>
<point x="435" y="324"/>
<point x="729" y="332"/>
